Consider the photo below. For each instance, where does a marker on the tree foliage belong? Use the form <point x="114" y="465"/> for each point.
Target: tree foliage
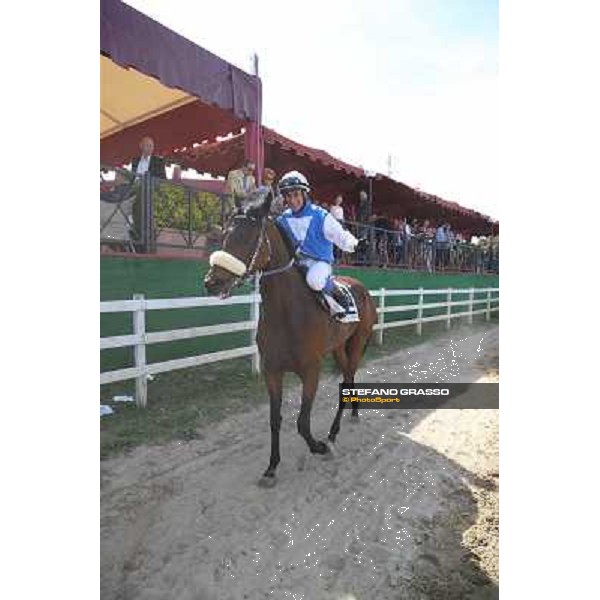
<point x="175" y="206"/>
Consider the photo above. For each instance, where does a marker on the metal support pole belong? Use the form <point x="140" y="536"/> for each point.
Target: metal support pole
<point x="142" y="228"/>
<point x="151" y="237"/>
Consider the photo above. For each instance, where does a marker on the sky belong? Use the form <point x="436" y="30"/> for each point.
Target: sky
<point x="416" y="80"/>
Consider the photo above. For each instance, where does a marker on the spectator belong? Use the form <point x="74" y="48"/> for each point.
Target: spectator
<point x="364" y="207"/>
<point x="337" y="211"/>
<point x="277" y="205"/>
<point x="148" y="162"/>
<point x="398" y="239"/>
<point x="176" y="174"/>
<point x="381" y="227"/>
<point x="494" y="253"/>
<point x="408" y="243"/>
<point x="417" y="245"/>
<point x="428" y="233"/>
<point x="451" y="250"/>
<point x="441" y="245"/>
<point x="240" y="183"/>
<point x="269" y="178"/>
<point x="350" y="211"/>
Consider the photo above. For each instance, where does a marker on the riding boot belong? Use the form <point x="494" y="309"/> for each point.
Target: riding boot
<point x="349" y="314"/>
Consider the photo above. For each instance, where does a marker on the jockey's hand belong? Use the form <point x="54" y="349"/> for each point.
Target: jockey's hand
<point x="362" y="244"/>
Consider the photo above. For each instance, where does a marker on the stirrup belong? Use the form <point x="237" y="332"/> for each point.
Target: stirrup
<point x="348" y="317"/>
<point x="344" y="313"/>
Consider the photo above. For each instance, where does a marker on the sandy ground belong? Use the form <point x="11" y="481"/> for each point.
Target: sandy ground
<point x="406" y="509"/>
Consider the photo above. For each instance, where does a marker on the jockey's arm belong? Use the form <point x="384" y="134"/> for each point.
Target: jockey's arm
<point x="335" y="233"/>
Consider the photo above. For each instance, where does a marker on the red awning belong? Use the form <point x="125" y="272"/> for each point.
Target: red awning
<point x="181" y="127"/>
<point x="283" y="154"/>
<point x="330" y="176"/>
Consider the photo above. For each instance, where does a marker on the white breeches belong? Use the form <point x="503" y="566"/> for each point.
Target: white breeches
<point x="318" y="273"/>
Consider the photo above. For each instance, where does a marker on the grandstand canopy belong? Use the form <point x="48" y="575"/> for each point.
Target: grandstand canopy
<point x="156" y="82"/>
<point x="330" y="176"/>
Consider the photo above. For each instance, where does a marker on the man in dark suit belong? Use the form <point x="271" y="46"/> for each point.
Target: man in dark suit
<point x="148" y="162"/>
<point x="140" y="166"/>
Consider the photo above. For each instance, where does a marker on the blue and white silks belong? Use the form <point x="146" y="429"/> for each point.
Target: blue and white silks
<point x="314" y="232"/>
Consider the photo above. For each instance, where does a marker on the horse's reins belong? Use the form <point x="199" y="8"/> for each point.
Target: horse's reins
<point x="275" y="271"/>
<point x="251" y="267"/>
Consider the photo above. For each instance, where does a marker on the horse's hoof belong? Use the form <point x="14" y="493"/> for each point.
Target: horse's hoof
<point x="354" y="419"/>
<point x="267" y="481"/>
<point x="330" y="454"/>
<point x="321" y="448"/>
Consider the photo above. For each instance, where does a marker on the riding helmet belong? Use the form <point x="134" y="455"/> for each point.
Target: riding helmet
<point x="294" y="180"/>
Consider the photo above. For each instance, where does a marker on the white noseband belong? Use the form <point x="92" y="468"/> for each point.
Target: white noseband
<point x="227" y="261"/>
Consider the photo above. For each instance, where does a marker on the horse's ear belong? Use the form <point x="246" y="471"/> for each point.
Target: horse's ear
<point x="266" y="206"/>
<point x="258" y="204"/>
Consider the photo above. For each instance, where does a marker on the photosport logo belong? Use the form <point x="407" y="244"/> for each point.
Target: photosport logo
<point x="420" y="395"/>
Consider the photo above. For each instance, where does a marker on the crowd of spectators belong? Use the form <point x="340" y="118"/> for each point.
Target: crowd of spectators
<point x="425" y="245"/>
<point x="408" y="242"/>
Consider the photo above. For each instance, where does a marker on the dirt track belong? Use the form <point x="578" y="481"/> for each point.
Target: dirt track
<point x="406" y="509"/>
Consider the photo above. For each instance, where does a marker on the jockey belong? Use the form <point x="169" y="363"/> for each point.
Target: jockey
<point x="314" y="232"/>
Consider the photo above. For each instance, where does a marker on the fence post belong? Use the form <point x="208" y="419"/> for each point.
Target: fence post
<point x="381" y="316"/>
<point x="139" y="329"/>
<point x="420" y="313"/>
<point x="254" y="315"/>
<point x="471" y="297"/>
<point x="449" y="308"/>
<point x="489" y="305"/>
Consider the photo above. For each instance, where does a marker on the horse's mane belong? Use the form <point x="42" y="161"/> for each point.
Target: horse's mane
<point x="258" y="207"/>
<point x="289" y="244"/>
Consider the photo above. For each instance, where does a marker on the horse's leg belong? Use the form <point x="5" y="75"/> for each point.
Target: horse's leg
<point x="341" y="359"/>
<point x="355" y="348"/>
<point x="274" y="381"/>
<point x="310" y="382"/>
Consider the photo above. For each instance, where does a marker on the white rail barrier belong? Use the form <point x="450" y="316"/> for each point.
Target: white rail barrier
<point x="140" y="338"/>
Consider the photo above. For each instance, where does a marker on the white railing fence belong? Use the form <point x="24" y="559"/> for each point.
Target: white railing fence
<point x="140" y="338"/>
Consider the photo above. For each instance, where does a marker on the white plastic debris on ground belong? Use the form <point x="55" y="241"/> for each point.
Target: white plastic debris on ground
<point x="123" y="399"/>
<point x="105" y="410"/>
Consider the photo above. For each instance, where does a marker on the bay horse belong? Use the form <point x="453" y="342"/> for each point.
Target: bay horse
<point x="294" y="332"/>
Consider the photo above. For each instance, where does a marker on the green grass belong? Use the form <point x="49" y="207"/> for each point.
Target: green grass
<point x="180" y="403"/>
<point x="183" y="403"/>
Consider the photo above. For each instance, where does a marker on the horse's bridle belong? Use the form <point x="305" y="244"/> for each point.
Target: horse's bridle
<point x="251" y="266"/>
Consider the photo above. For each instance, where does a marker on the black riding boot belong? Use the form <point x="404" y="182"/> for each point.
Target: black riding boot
<point x="340" y="297"/>
<point x="349" y="314"/>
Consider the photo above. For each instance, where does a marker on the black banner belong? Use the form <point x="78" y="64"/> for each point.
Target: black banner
<point x="420" y="395"/>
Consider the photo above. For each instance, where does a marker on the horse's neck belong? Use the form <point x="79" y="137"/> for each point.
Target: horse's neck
<point x="280" y="288"/>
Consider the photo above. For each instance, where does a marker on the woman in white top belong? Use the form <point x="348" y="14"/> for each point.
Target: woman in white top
<point x="336" y="210"/>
